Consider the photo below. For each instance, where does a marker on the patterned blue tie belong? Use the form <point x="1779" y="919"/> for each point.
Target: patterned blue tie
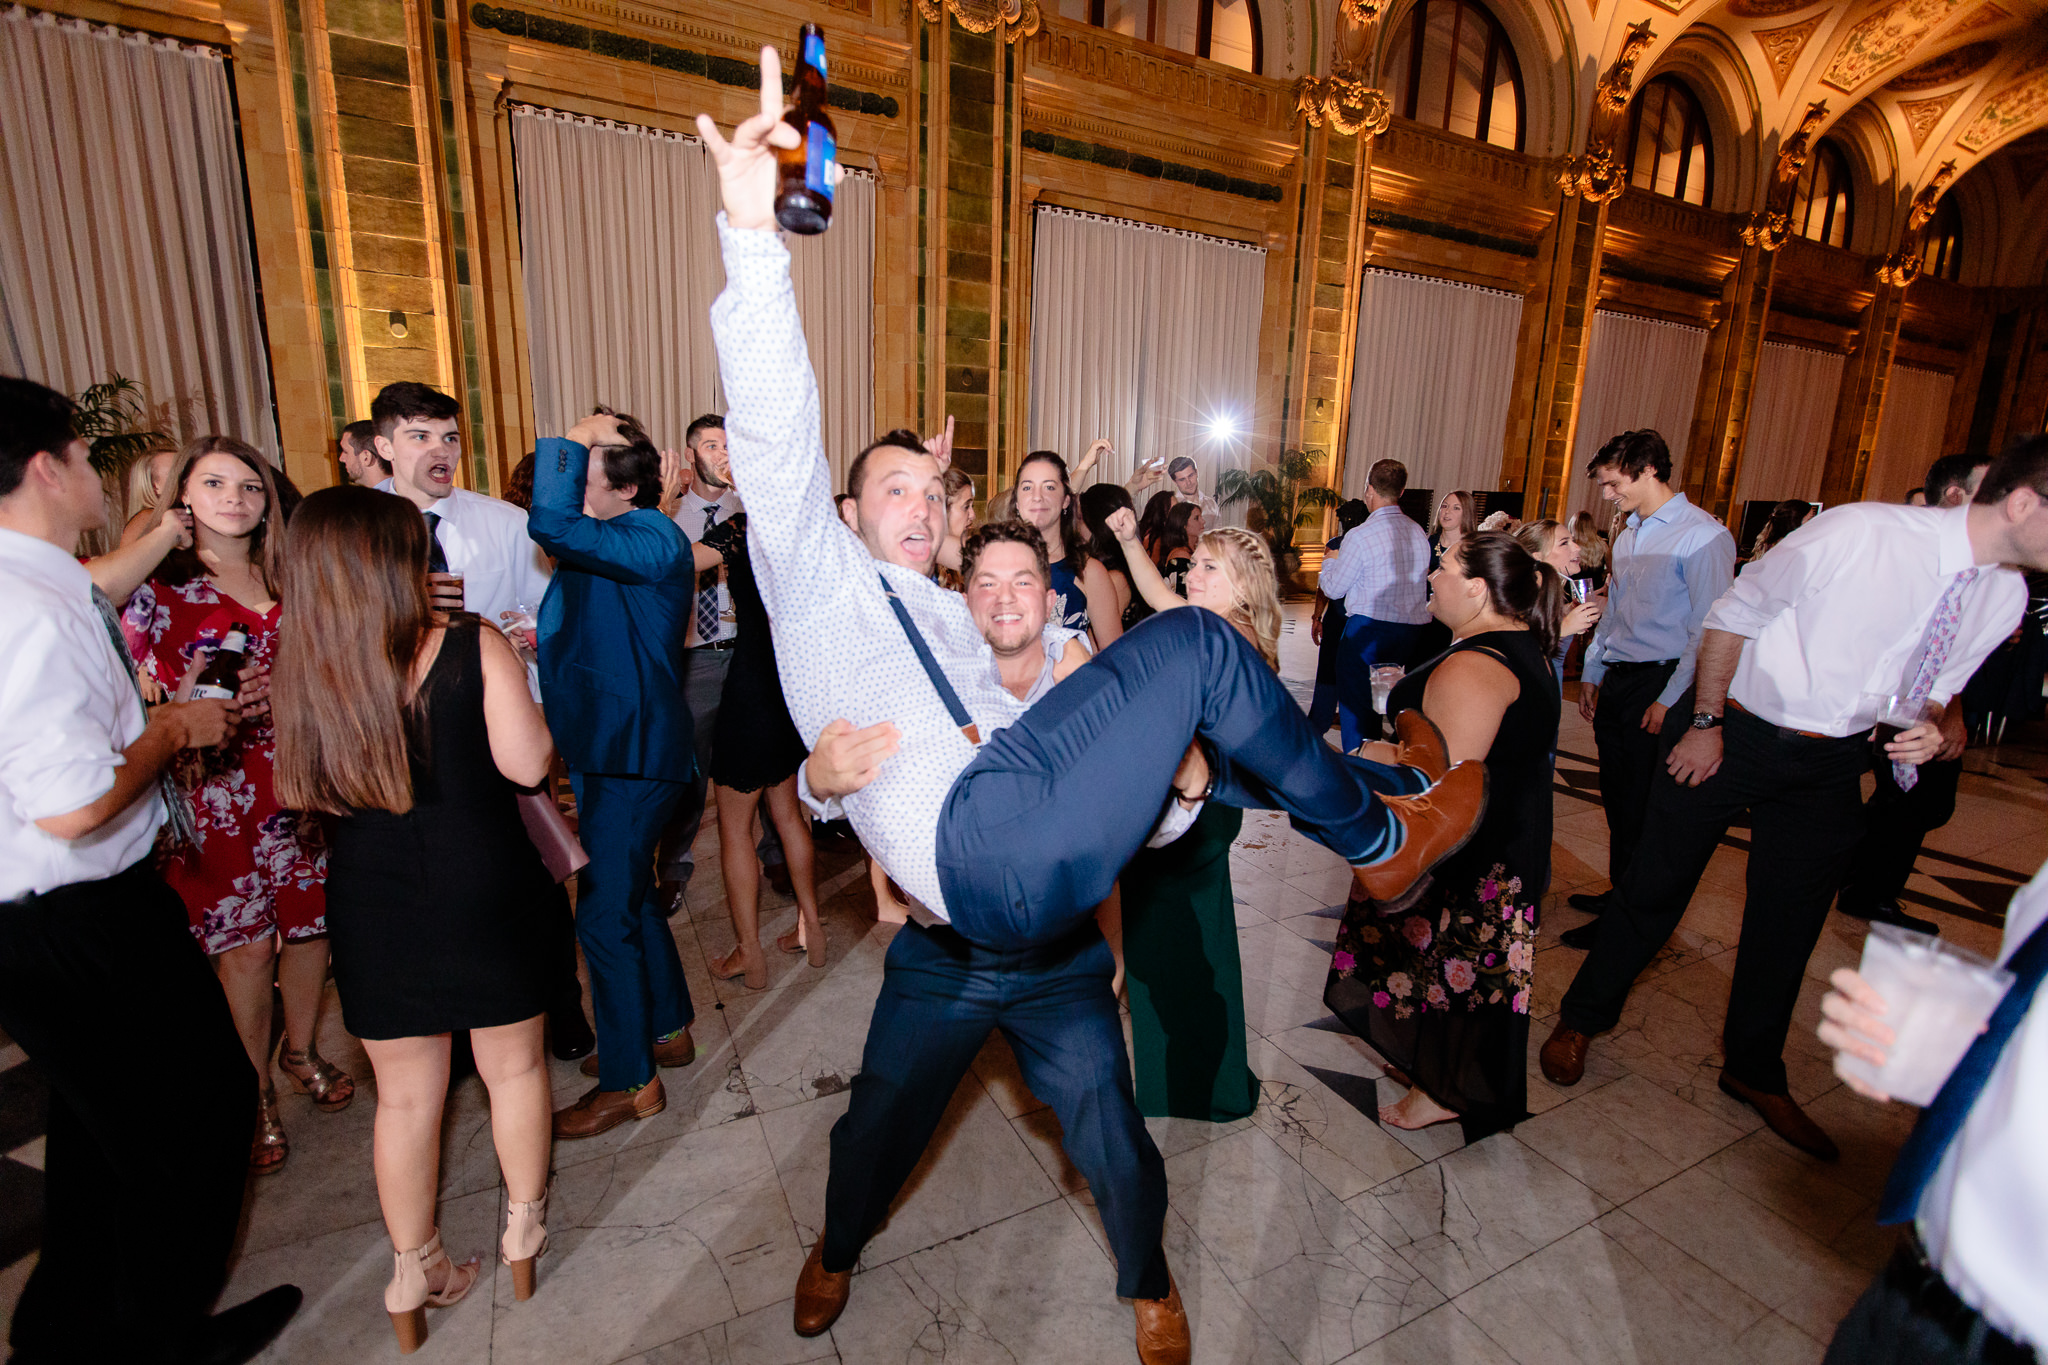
<point x="1942" y="1120"/>
<point x="707" y="588"/>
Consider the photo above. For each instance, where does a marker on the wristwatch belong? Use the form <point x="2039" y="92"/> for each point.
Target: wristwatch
<point x="1702" y="721"/>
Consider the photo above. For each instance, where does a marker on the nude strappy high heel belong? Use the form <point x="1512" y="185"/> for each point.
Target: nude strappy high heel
<point x="407" y="1296"/>
<point x="525" y="1241"/>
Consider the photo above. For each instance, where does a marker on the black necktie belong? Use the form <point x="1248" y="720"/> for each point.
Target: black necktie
<point x="437" y="559"/>
<point x="177" y="811"/>
<point x="707" y="589"/>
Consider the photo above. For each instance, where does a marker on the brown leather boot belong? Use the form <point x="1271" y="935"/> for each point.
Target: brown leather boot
<point x="680" y="1050"/>
<point x="1420" y="744"/>
<point x="1163" y="1337"/>
<point x="1435" y="824"/>
<point x="1785" y="1118"/>
<point x="1563" y="1057"/>
<point x="600" y="1111"/>
<point x="820" y="1293"/>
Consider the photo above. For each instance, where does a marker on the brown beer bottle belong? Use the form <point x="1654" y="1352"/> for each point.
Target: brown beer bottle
<point x="222" y="678"/>
<point x="803" y="192"/>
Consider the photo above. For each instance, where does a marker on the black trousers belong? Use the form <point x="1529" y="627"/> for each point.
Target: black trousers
<point x="1803" y="796"/>
<point x="1895" y="824"/>
<point x="1908" y="1317"/>
<point x="1629" y="756"/>
<point x="143" y="1191"/>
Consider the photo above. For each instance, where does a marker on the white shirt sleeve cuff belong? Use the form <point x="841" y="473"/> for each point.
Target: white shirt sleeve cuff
<point x="1174" y="822"/>
<point x="832" y="809"/>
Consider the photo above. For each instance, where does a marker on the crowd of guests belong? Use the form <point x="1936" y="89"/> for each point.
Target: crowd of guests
<point x="267" y="740"/>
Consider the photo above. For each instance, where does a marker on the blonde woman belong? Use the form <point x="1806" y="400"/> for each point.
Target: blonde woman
<point x="145" y="489"/>
<point x="1549" y="543"/>
<point x="1179" y="924"/>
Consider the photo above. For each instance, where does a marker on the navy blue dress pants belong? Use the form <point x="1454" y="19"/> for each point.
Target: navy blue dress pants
<point x="1038" y="827"/>
<point x="637" y="991"/>
<point x="941" y="997"/>
<point x="1367" y="643"/>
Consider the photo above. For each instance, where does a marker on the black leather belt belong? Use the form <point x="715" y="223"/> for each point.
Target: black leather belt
<point x="1909" y="1274"/>
<point x="729" y="642"/>
<point x="1636" y="665"/>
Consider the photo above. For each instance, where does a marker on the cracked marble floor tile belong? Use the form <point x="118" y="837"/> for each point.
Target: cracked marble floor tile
<point x="1347" y="1151"/>
<point x="708" y="1092"/>
<point x="804" y="1041"/>
<point x="762" y="1337"/>
<point x="1623" y="1137"/>
<point x="1442" y="1336"/>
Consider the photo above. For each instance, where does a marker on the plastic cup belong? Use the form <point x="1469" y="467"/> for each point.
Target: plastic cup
<point x="1937" y="999"/>
<point x="1384" y="677"/>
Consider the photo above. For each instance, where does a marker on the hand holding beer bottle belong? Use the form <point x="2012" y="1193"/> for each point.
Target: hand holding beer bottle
<point x="805" y="174"/>
<point x="748" y="174"/>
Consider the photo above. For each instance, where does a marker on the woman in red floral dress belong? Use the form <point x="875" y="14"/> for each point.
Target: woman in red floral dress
<point x="258" y="871"/>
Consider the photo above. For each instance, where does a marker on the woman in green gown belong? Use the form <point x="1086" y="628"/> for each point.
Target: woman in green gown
<point x="1179" y="917"/>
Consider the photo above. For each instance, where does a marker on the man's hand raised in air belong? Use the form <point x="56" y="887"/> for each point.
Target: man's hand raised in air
<point x="746" y="163"/>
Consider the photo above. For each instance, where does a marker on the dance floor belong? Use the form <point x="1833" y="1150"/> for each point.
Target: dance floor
<point x="1640" y="1216"/>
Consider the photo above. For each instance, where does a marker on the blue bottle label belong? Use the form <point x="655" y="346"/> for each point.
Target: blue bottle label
<point x="814" y="52"/>
<point x="822" y="150"/>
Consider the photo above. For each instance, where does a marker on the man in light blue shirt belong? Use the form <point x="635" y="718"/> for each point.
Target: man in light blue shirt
<point x="1670" y="563"/>
<point x="1382" y="573"/>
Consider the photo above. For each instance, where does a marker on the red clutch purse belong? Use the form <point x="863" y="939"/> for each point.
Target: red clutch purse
<point x="549" y="829"/>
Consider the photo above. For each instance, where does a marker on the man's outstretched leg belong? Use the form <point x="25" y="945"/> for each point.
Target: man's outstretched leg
<point x="1050" y="810"/>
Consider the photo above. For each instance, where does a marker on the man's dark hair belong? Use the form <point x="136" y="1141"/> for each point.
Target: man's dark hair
<point x="1015" y="532"/>
<point x="1634" y="452"/>
<point x="1950" y="471"/>
<point x="636" y="462"/>
<point x="360" y="434"/>
<point x="903" y="438"/>
<point x="405" y="401"/>
<point x="1352" y="512"/>
<point x="32" y="419"/>
<point x="709" y="421"/>
<point x="1177" y="464"/>
<point x="2023" y="465"/>
<point x="1388" y="478"/>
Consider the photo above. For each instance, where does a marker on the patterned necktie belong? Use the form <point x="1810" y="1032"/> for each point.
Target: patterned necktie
<point x="707" y="588"/>
<point x="177" y="810"/>
<point x="1941" y="636"/>
<point x="437" y="558"/>
<point x="1942" y="1120"/>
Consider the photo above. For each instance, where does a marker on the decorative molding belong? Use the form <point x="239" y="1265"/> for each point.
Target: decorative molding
<point x="1018" y="19"/>
<point x="1596" y="175"/>
<point x="1930" y="195"/>
<point x="1150" y="167"/>
<point x="1782" y="46"/>
<point x="1978" y="18"/>
<point x="1952" y="65"/>
<point x="1400" y="222"/>
<point x="1767" y="231"/>
<point x="1767" y="9"/>
<point x="1899" y="269"/>
<point x="1921" y="115"/>
<point x="1792" y="153"/>
<point x="1152" y="77"/>
<point x="1345" y="101"/>
<point x="2024" y="101"/>
<point x="1614" y="267"/>
<point x="1883" y="38"/>
<point x="599" y="42"/>
<point x="1410" y="144"/>
<point x="1666" y="218"/>
<point x="1143" y="141"/>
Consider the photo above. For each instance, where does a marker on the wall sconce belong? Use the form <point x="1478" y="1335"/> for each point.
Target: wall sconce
<point x="398" y="327"/>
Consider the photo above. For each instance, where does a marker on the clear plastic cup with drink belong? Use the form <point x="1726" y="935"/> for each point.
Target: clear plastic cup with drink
<point x="1384" y="676"/>
<point x="1937" y="999"/>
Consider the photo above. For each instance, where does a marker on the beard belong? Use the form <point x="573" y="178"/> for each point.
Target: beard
<point x="705" y="478"/>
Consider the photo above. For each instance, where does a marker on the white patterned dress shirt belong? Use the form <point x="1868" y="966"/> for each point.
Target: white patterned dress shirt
<point x="1382" y="569"/>
<point x="484" y="539"/>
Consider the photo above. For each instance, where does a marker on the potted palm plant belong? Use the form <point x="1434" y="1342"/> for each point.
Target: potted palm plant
<point x="114" y="422"/>
<point x="1286" y="498"/>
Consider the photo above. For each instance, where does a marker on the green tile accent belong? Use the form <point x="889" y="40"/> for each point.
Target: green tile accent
<point x="366" y="60"/>
<point x="1151" y="167"/>
<point x="381" y="141"/>
<point x="316" y="216"/>
<point x="470" y="361"/>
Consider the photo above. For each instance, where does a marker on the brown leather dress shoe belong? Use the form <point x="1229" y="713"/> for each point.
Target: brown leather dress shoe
<point x="1785" y="1118"/>
<point x="1435" y="824"/>
<point x="820" y="1293"/>
<point x="1563" y="1057"/>
<point x="1420" y="744"/>
<point x="1163" y="1337"/>
<point x="600" y="1111"/>
<point x="680" y="1050"/>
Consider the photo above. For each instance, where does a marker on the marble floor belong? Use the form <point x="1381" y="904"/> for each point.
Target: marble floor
<point x="1640" y="1216"/>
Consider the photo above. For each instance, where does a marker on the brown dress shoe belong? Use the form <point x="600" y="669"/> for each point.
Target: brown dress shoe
<point x="600" y="1111"/>
<point x="1435" y="824"/>
<point x="680" y="1050"/>
<point x="1785" y="1118"/>
<point x="820" y="1293"/>
<point x="1563" y="1057"/>
<point x="1163" y="1329"/>
<point x="1420" y="744"/>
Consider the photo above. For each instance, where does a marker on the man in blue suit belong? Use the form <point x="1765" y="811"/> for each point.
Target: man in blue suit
<point x="612" y="633"/>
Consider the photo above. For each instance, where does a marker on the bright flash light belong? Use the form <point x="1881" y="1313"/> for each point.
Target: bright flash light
<point x="1221" y="427"/>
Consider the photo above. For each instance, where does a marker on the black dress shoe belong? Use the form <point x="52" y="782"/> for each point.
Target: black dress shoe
<point x="669" y="895"/>
<point x="1592" y="902"/>
<point x="1583" y="937"/>
<point x="570" y="1033"/>
<point x="1888" y="913"/>
<point x="778" y="877"/>
<point x="240" y="1333"/>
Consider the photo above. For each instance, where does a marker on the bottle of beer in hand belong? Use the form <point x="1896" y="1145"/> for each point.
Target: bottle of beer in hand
<point x="803" y="192"/>
<point x="222" y="679"/>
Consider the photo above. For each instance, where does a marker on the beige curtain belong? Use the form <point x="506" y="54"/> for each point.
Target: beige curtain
<point x="1909" y="434"/>
<point x="1639" y="373"/>
<point x="617" y="224"/>
<point x="1147" y="336"/>
<point x="124" y="245"/>
<point x="1791" y="411"/>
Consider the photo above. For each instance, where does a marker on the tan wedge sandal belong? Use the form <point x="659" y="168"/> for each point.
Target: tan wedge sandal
<point x="270" y="1146"/>
<point x="525" y="1242"/>
<point x="407" y="1296"/>
<point x="330" y="1086"/>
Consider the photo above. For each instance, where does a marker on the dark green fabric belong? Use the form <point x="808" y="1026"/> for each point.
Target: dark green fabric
<point x="1186" y="983"/>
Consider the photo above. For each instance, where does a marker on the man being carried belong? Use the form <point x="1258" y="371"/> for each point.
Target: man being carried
<point x="955" y="778"/>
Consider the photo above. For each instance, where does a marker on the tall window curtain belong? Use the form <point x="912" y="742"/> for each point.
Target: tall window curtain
<point x="1146" y="336"/>
<point x="617" y="225"/>
<point x="1435" y="364"/>
<point x="124" y="246"/>
<point x="1909" y="434"/>
<point x="1791" y="410"/>
<point x="1639" y="373"/>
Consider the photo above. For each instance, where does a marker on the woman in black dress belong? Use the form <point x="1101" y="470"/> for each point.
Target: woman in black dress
<point x="412" y="732"/>
<point x="1441" y="989"/>
<point x="754" y="757"/>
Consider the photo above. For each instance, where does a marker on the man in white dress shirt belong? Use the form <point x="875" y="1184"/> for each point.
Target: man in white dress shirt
<point x="1382" y="574"/>
<point x="1006" y="847"/>
<point x="1868" y="601"/>
<point x="94" y="945"/>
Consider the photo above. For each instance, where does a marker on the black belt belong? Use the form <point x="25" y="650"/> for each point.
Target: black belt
<point x="729" y="642"/>
<point x="1930" y="1296"/>
<point x="1787" y="732"/>
<point x="1636" y="665"/>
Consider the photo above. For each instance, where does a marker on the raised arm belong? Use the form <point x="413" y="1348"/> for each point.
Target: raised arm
<point x="1145" y="579"/>
<point x="628" y="550"/>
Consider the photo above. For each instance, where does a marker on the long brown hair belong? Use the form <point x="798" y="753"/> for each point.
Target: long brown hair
<point x="1073" y="530"/>
<point x="266" y="542"/>
<point x="356" y="616"/>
